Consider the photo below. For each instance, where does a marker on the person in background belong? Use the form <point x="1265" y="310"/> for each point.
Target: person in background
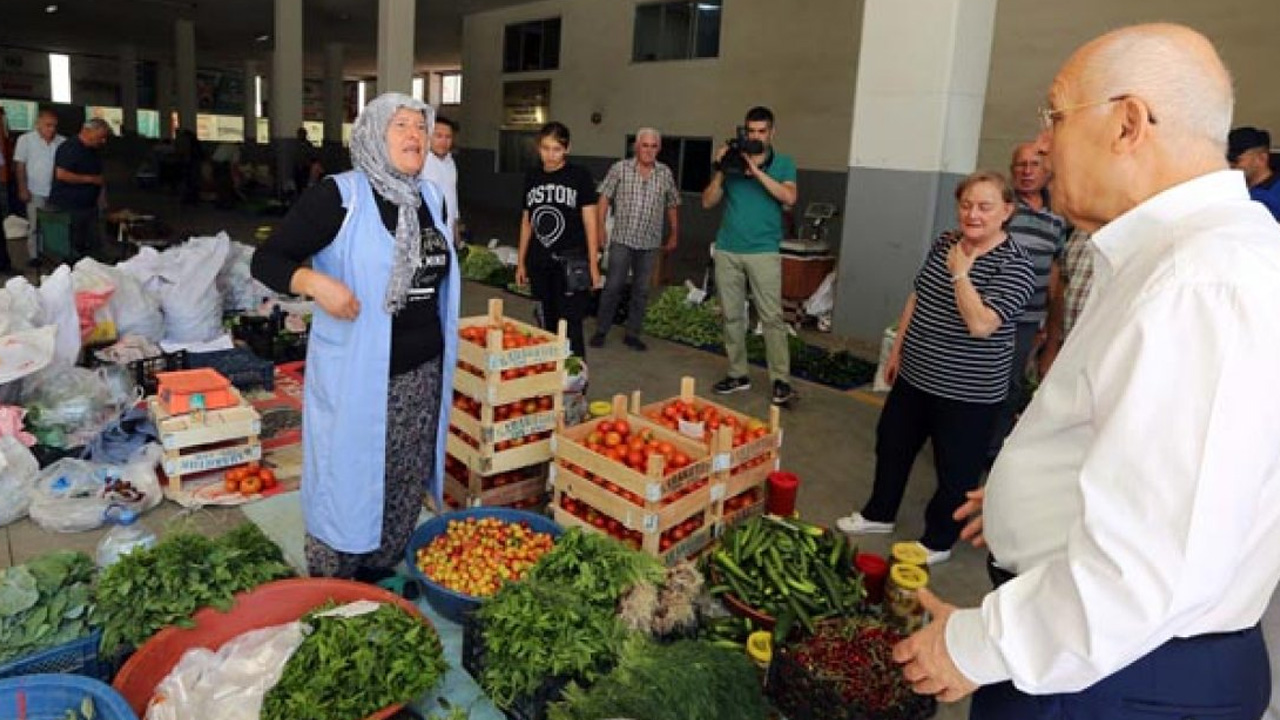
<point x="949" y="366"/>
<point x="1133" y="515"/>
<point x="78" y="184"/>
<point x="441" y="170"/>
<point x="1067" y="296"/>
<point x="643" y="193"/>
<point x="1249" y="150"/>
<point x="383" y="342"/>
<point x="191" y="156"/>
<point x="35" y="157"/>
<point x="747" y="252"/>
<point x="558" y="234"/>
<point x="1042" y="233"/>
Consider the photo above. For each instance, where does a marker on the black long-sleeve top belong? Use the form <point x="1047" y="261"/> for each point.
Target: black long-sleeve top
<point x="314" y="221"/>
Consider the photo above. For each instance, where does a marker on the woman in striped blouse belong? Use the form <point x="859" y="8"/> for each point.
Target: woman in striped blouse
<point x="950" y="363"/>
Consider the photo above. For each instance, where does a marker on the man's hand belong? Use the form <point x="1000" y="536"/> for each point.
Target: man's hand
<point x="971" y="510"/>
<point x="522" y="277"/>
<point x="720" y="153"/>
<point x="891" y="365"/>
<point x="670" y="245"/>
<point x="24" y="195"/>
<point x="926" y="664"/>
<point x="596" y="281"/>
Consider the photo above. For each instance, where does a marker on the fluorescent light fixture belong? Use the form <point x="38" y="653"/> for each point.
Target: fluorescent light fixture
<point x="359" y="96"/>
<point x="51" y="8"/>
<point x="257" y="96"/>
<point x="708" y="7"/>
<point x="263" y="37"/>
<point x="419" y="87"/>
<point x="60" y="76"/>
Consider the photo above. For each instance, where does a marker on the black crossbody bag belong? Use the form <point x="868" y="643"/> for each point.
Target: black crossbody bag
<point x="577" y="273"/>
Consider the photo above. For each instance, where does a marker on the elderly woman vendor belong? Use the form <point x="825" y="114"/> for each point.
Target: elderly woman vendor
<point x="383" y="341"/>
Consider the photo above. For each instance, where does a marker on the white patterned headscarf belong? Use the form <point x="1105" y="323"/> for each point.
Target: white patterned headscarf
<point x="369" y="155"/>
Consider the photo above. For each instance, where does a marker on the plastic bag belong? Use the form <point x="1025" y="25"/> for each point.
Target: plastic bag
<point x="58" y="306"/>
<point x="24" y="353"/>
<point x="69" y="405"/>
<point x="18" y="470"/>
<point x="24" y="302"/>
<point x="229" y="684"/>
<point x="133" y="310"/>
<point x="823" y="300"/>
<point x="190" y="299"/>
<point x="879" y="383"/>
<point x="73" y="495"/>
<point x="240" y="290"/>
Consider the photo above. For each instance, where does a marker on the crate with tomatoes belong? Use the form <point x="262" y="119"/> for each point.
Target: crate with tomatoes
<point x="635" y="480"/>
<point x="519" y="488"/>
<point x="744" y="449"/>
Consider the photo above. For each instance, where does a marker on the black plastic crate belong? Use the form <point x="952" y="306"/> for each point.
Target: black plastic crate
<point x="244" y="369"/>
<point x="267" y="338"/>
<point x="144" y="370"/>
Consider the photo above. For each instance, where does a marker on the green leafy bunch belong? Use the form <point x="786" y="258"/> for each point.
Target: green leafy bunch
<point x="150" y="589"/>
<point x="352" y="667"/>
<point x="685" y="680"/>
<point x="596" y="567"/>
<point x="44" y="603"/>
<point x="671" y="318"/>
<point x="535" y="631"/>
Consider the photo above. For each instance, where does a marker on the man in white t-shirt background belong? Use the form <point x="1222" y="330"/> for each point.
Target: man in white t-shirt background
<point x="441" y="170"/>
<point x="34" y="158"/>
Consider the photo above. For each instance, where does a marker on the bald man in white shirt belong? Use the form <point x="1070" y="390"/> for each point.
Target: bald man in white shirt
<point x="1134" y="513"/>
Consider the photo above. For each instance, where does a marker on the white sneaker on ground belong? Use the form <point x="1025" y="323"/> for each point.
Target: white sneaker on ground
<point x="855" y="524"/>
<point x="934" y="557"/>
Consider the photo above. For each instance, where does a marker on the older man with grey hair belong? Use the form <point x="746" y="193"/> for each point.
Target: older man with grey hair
<point x="78" y="184"/>
<point x="1133" y="515"/>
<point x="642" y="192"/>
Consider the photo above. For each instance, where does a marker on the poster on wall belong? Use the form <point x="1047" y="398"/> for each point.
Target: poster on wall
<point x="149" y="123"/>
<point x="21" y="114"/>
<point x="113" y="115"/>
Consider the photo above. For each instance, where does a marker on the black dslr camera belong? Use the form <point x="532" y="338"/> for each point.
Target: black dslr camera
<point x="733" y="162"/>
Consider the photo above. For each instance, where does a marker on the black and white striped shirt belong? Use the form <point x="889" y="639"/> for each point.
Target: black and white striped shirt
<point x="938" y="354"/>
<point x="1043" y="235"/>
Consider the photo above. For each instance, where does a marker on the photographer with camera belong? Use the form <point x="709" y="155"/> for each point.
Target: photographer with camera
<point x="756" y="184"/>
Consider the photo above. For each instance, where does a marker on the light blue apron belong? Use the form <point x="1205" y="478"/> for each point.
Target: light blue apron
<point x="344" y="412"/>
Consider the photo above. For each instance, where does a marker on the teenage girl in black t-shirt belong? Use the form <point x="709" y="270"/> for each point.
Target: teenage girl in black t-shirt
<point x="559" y="221"/>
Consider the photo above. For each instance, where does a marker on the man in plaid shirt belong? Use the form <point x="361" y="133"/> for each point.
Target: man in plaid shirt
<point x="642" y="192"/>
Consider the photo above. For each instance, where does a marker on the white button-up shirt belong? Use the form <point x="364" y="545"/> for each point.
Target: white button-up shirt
<point x="1138" y="499"/>
<point x="38" y="156"/>
<point x="444" y="173"/>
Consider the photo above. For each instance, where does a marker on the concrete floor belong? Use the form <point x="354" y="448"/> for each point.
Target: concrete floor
<point x="829" y="436"/>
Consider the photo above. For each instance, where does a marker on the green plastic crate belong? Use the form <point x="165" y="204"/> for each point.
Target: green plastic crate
<point x="55" y="233"/>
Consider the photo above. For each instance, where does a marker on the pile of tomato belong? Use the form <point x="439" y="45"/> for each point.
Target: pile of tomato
<point x="519" y="408"/>
<point x="712" y="419"/>
<point x="513" y="336"/>
<point x="743" y="500"/>
<point x="629" y="496"/>
<point x="457" y="469"/>
<point x="614" y="440"/>
<point x="613" y="527"/>
<point x="249" y="479"/>
<point x="476" y="556"/>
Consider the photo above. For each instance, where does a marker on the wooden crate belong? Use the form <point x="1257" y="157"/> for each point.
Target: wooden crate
<point x="650" y="518"/>
<point x="489" y="431"/>
<point x="491" y="361"/>
<point x="470" y="486"/>
<point x="721" y="445"/>
<point x="484" y="460"/>
<point x="653" y="485"/>
<point x="691" y="545"/>
<point x="204" y="441"/>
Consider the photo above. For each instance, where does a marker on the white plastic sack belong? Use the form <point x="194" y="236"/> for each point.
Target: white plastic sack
<point x="26" y="352"/>
<point x="18" y="470"/>
<point x="71" y="495"/>
<point x="240" y="290"/>
<point x="508" y="255"/>
<point x="229" y="684"/>
<point x="24" y="301"/>
<point x="134" y="310"/>
<point x="16" y="227"/>
<point x="189" y="297"/>
<point x="823" y="300"/>
<point x="94" y="287"/>
<point x="146" y="268"/>
<point x="58" y="306"/>
<point x="72" y="403"/>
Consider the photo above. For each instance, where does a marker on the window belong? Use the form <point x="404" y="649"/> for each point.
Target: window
<point x="451" y="88"/>
<point x="677" y="31"/>
<point x="532" y="46"/>
<point x="517" y="150"/>
<point x="688" y="157"/>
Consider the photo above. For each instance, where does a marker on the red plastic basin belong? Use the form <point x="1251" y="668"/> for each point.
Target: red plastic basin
<point x="275" y="603"/>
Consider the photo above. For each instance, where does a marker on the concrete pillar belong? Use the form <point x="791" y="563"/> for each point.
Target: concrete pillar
<point x="286" y="88"/>
<point x="334" y="101"/>
<point x="164" y="97"/>
<point x="250" y="111"/>
<point x="395" y="46"/>
<point x="185" y="44"/>
<point x="129" y="88"/>
<point x="917" y="116"/>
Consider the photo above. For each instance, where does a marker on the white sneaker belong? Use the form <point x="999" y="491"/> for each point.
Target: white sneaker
<point x="855" y="524"/>
<point x="934" y="557"/>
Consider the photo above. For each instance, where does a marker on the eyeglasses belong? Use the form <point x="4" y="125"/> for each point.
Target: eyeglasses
<point x="1049" y="117"/>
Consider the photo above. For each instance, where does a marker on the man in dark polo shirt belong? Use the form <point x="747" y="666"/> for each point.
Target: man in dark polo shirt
<point x="78" y="183"/>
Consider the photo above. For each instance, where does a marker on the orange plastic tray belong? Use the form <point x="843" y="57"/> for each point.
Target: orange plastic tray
<point x="178" y="387"/>
<point x="275" y="603"/>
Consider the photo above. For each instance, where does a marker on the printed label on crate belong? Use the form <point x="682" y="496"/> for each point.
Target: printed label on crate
<point x="720" y="462"/>
<point x="525" y="356"/>
<point x="649" y="524"/>
<point x="520" y="427"/>
<point x="694" y="430"/>
<point x="212" y="459"/>
<point x="687" y="547"/>
<point x="717" y="492"/>
<point x="653" y="492"/>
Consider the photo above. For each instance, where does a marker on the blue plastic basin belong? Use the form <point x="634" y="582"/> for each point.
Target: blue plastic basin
<point x="454" y="605"/>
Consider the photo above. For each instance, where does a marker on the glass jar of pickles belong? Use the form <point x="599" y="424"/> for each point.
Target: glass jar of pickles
<point x="903" y="595"/>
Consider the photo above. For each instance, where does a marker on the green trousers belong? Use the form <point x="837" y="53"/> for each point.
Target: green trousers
<point x="763" y="273"/>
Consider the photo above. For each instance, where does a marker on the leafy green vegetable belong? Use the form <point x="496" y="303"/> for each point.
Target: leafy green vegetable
<point x="670" y="317"/>
<point x="44" y="603"/>
<point x="536" y="631"/>
<point x="482" y="265"/>
<point x="353" y="667"/>
<point x="149" y="589"/>
<point x="596" y="567"/>
<point x="686" y="680"/>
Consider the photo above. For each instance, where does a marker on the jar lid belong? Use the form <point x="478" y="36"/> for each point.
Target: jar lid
<point x="909" y="577"/>
<point x="910" y="553"/>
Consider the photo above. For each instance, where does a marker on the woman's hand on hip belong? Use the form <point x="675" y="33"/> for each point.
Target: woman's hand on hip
<point x="333" y="296"/>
